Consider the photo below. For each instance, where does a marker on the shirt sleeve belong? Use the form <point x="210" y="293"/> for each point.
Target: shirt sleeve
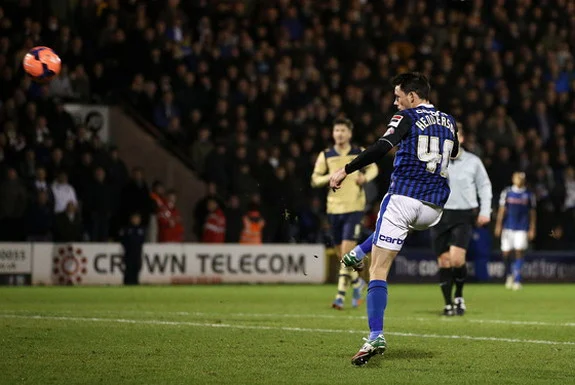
<point x="320" y="176"/>
<point x="397" y="128"/>
<point x="484" y="189"/>
<point x="503" y="197"/>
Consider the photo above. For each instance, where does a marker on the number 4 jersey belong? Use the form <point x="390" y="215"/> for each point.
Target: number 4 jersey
<point x="427" y="139"/>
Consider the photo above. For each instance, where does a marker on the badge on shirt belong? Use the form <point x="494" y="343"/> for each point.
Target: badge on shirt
<point x="395" y="120"/>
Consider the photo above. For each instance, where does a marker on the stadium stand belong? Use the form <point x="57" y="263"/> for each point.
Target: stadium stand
<point x="247" y="90"/>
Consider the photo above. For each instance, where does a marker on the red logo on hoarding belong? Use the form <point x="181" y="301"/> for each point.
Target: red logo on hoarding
<point x="69" y="265"/>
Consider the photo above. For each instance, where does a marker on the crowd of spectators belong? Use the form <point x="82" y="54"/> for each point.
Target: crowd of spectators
<point x="249" y="89"/>
<point x="58" y="180"/>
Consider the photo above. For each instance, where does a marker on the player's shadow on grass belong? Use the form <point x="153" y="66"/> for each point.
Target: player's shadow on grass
<point x="407" y="354"/>
<point x="431" y="312"/>
<point x="399" y="354"/>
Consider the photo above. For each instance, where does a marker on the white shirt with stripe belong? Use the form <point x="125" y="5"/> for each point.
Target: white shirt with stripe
<point x="469" y="181"/>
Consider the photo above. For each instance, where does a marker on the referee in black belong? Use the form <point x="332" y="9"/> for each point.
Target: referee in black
<point x="468" y="180"/>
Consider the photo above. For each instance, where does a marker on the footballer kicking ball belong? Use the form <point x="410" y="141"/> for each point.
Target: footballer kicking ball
<point x="42" y="64"/>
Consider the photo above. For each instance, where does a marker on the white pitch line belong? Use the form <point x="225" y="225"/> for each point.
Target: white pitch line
<point x="455" y="320"/>
<point x="282" y="328"/>
<point x="333" y="316"/>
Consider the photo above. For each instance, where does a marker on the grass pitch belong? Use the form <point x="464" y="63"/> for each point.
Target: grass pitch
<point x="281" y="335"/>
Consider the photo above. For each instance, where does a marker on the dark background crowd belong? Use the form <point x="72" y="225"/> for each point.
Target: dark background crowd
<point x="249" y="89"/>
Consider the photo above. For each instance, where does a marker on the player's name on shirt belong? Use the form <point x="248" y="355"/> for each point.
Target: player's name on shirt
<point x="433" y="117"/>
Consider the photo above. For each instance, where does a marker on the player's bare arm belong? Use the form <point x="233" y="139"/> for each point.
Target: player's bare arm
<point x="484" y="188"/>
<point x="532" y="224"/>
<point x="482" y="220"/>
<point x="532" y="218"/>
<point x="499" y="222"/>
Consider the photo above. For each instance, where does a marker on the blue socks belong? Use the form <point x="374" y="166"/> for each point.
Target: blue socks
<point x="517" y="265"/>
<point x="364" y="248"/>
<point x="376" y="304"/>
<point x="376" y="293"/>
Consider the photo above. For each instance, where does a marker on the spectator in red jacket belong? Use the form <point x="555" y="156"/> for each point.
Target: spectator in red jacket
<point x="158" y="197"/>
<point x="170" y="227"/>
<point x="215" y="224"/>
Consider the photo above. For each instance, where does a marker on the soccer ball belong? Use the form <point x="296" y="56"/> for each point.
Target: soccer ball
<point x="42" y="64"/>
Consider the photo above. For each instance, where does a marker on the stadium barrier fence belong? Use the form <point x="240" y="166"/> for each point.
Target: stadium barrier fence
<point x="189" y="263"/>
<point x="167" y="263"/>
<point x="420" y="265"/>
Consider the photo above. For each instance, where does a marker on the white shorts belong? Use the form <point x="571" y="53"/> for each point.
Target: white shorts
<point x="514" y="240"/>
<point x="397" y="215"/>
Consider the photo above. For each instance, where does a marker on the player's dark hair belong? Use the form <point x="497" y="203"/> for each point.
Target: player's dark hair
<point x="413" y="82"/>
<point x="346" y="122"/>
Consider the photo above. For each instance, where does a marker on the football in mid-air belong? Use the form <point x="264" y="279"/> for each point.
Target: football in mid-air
<point x="42" y="64"/>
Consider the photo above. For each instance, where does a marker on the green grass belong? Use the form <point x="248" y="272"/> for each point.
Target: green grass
<point x="281" y="335"/>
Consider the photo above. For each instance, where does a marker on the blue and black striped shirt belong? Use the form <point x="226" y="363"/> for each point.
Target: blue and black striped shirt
<point x="427" y="138"/>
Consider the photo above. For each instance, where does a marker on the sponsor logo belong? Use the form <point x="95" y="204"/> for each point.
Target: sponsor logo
<point x="11" y="259"/>
<point x="386" y="239"/>
<point x="152" y="263"/>
<point x="404" y="266"/>
<point x="252" y="264"/>
<point x="69" y="265"/>
<point x="94" y="264"/>
<point x="395" y="120"/>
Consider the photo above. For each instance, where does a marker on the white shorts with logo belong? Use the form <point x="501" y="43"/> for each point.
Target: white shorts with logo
<point x="397" y="215"/>
<point x="514" y="240"/>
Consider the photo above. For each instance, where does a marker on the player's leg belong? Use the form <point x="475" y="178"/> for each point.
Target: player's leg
<point x="506" y="246"/>
<point x="508" y="261"/>
<point x="461" y="236"/>
<point x="457" y="256"/>
<point x="355" y="258"/>
<point x="520" y="244"/>
<point x="517" y="265"/>
<point x="440" y="244"/>
<point x="377" y="288"/>
<point x="343" y="273"/>
<point x="396" y="215"/>
<point x="351" y="230"/>
<point x="343" y="281"/>
<point x="357" y="283"/>
<point x="355" y="280"/>
<point x="446" y="283"/>
<point x="381" y="260"/>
